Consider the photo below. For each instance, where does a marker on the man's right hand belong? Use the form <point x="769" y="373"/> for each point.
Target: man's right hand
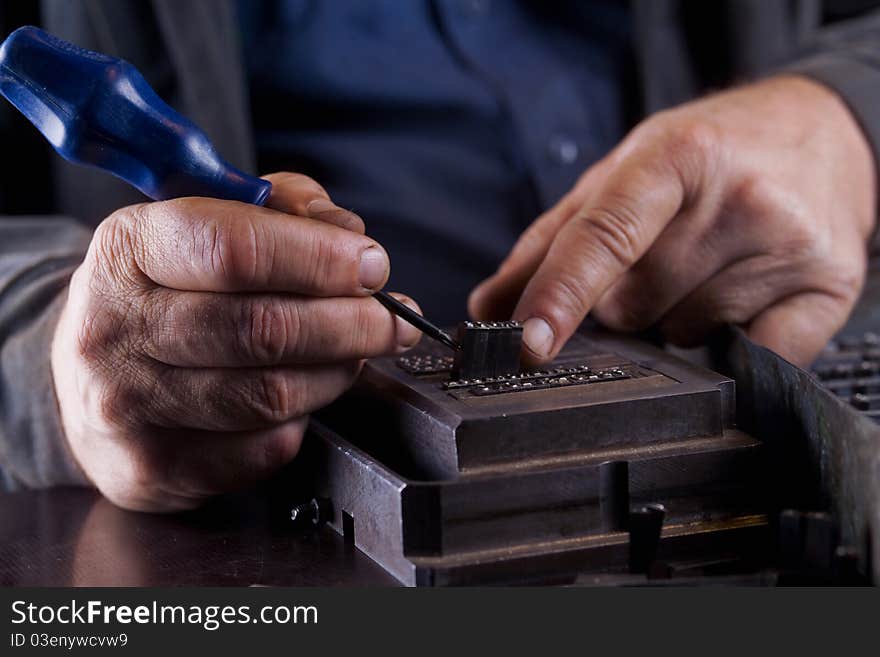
<point x="198" y="334"/>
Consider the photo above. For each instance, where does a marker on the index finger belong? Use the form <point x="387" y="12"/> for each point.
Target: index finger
<point x="594" y="248"/>
<point x="208" y="245"/>
<point x="300" y="195"/>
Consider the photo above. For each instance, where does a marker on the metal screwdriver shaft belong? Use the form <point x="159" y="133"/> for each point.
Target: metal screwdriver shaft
<point x="409" y="315"/>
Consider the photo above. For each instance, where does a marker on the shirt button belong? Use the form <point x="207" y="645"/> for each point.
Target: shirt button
<point x="563" y="150"/>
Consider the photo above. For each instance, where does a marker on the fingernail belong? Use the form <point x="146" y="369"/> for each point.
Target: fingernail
<point x="320" y="205"/>
<point x="538" y="336"/>
<point x="374" y="268"/>
<point x="407" y="334"/>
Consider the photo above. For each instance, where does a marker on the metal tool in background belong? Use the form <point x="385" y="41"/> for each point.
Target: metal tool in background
<point x="99" y="111"/>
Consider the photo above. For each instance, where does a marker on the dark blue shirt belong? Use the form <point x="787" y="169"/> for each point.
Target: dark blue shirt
<point x="448" y="125"/>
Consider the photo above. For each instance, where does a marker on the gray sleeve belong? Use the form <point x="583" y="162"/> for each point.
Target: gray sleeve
<point x="37" y="257"/>
<point x="846" y="58"/>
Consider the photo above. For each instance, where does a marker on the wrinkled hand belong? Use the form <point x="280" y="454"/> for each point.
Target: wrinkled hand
<point x="752" y="207"/>
<point x="198" y="334"/>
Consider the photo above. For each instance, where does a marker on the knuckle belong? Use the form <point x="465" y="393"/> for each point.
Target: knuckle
<point x="755" y="192"/>
<point x="613" y="228"/>
<point x="730" y="305"/>
<point x="119" y="400"/>
<point x="746" y="210"/>
<point x="780" y="213"/>
<point x="322" y="261"/>
<point x="93" y="336"/>
<point x="806" y="239"/>
<point x="103" y="331"/>
<point x="265" y="330"/>
<point x="114" y="234"/>
<point x="178" y="324"/>
<point x="801" y="239"/>
<point x="231" y="250"/>
<point x="802" y="251"/>
<point x="115" y="246"/>
<point x="845" y="279"/>
<point x="364" y="330"/>
<point x="275" y="398"/>
<point x="696" y="139"/>
<point x="693" y="150"/>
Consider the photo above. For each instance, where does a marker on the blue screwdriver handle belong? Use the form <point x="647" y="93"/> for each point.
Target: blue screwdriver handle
<point x="99" y="110"/>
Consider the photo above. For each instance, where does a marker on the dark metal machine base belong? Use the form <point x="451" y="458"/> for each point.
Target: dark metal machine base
<point x="637" y="471"/>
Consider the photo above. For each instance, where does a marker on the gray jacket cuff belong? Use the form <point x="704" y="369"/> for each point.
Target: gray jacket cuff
<point x="37" y="257"/>
<point x="35" y="451"/>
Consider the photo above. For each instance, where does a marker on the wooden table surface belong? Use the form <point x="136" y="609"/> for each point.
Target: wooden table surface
<point x="73" y="537"/>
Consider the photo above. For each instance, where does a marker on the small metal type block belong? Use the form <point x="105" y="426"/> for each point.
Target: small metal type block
<point x="488" y="350"/>
<point x="428" y="364"/>
<point x="423" y="364"/>
<point x="540" y="380"/>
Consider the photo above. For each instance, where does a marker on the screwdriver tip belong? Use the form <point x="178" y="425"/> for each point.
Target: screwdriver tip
<point x="446" y="339"/>
<point x="407" y="314"/>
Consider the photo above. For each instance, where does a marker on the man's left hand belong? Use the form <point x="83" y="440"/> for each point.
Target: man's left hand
<point x="752" y="207"/>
